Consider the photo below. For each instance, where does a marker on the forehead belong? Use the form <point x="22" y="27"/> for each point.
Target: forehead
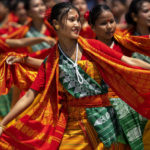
<point x="32" y="2"/>
<point x="73" y="12"/>
<point x="79" y="1"/>
<point x="145" y="5"/>
<point x="105" y="15"/>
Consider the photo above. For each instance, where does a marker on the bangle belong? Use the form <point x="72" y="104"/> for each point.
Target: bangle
<point x="24" y="59"/>
<point x="3" y="127"/>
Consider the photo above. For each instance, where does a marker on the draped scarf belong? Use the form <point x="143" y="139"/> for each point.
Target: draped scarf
<point x="42" y="125"/>
<point x="133" y="43"/>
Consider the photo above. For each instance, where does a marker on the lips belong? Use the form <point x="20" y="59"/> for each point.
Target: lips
<point x="76" y="30"/>
<point x="112" y="32"/>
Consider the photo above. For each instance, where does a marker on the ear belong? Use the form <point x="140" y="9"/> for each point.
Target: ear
<point x="134" y="17"/>
<point x="56" y="25"/>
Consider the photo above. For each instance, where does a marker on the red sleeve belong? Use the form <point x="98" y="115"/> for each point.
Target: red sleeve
<point x="104" y="48"/>
<point x="39" y="82"/>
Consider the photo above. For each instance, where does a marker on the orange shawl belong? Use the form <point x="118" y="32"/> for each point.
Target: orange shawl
<point x="132" y="43"/>
<point x="20" y="33"/>
<point x="43" y="123"/>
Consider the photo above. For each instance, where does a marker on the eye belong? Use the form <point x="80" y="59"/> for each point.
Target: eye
<point x="72" y="19"/>
<point x="112" y="21"/>
<point x="103" y="23"/>
<point x="145" y="10"/>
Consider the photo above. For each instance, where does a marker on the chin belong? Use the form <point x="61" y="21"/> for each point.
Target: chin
<point x="75" y="37"/>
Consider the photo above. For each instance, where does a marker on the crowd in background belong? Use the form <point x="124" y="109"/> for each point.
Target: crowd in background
<point x="28" y="28"/>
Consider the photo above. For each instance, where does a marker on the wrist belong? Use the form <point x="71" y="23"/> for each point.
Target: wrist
<point x="24" y="59"/>
<point x="2" y="126"/>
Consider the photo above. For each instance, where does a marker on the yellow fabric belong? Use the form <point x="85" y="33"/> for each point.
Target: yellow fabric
<point x="146" y="136"/>
<point x="74" y="138"/>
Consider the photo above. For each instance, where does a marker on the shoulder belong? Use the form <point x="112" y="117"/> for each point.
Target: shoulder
<point x="97" y="44"/>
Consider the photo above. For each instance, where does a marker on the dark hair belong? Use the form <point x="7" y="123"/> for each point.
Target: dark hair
<point x="5" y="3"/>
<point x="15" y="4"/>
<point x="60" y="10"/>
<point x="96" y="11"/>
<point x="134" y="8"/>
<point x="27" y="4"/>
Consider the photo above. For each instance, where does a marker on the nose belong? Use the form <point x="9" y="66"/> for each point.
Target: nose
<point x="42" y="7"/>
<point x="77" y="23"/>
<point x="109" y="25"/>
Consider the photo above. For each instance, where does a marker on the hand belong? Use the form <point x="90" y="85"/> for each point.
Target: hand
<point x="49" y="40"/>
<point x="1" y="131"/>
<point x="14" y="24"/>
<point x="13" y="59"/>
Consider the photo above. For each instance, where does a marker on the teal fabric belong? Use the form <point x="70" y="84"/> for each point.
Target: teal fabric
<point x="5" y="103"/>
<point x="34" y="33"/>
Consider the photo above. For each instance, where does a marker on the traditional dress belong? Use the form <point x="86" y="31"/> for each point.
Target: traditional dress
<point x="139" y="46"/>
<point x="28" y="31"/>
<point x="25" y="31"/>
<point x="57" y="117"/>
<point x="87" y="32"/>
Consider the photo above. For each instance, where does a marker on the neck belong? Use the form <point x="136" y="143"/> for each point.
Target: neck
<point x="142" y="30"/>
<point x="107" y="42"/>
<point x="83" y="21"/>
<point x="38" y="24"/>
<point x="68" y="45"/>
<point x="23" y="22"/>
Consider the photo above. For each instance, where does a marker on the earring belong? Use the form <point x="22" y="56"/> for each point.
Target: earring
<point x="56" y="27"/>
<point x="135" y="19"/>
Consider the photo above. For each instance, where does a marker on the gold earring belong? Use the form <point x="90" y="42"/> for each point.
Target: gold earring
<point x="56" y="27"/>
<point x="135" y="19"/>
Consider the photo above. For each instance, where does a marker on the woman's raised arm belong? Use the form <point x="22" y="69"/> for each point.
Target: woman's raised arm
<point x="135" y="62"/>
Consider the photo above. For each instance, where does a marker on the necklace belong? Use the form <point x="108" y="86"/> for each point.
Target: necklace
<point x="75" y="65"/>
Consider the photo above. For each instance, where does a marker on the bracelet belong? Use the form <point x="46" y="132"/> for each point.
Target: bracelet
<point x="3" y="127"/>
<point x="24" y="59"/>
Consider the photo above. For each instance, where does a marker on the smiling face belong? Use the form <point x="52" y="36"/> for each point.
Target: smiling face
<point x="70" y="25"/>
<point x="81" y="5"/>
<point x="143" y="16"/>
<point x="37" y="9"/>
<point x="105" y="26"/>
<point x="21" y="12"/>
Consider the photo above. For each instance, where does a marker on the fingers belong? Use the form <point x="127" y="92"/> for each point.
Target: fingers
<point x="10" y="60"/>
<point x="50" y="41"/>
<point x="1" y="131"/>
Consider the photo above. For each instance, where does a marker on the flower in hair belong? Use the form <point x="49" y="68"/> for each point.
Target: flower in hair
<point x="48" y="13"/>
<point x="86" y="15"/>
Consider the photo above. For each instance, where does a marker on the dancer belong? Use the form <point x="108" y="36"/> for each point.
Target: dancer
<point x="136" y="38"/>
<point x="86" y="30"/>
<point x="58" y="119"/>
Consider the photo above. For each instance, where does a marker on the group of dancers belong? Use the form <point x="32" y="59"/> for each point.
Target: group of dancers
<point x="73" y="79"/>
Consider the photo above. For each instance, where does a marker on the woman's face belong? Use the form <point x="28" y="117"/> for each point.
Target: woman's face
<point x="143" y="16"/>
<point x="20" y="12"/>
<point x="81" y="5"/>
<point x="3" y="11"/>
<point x="105" y="25"/>
<point x="70" y="25"/>
<point x="118" y="8"/>
<point x="37" y="9"/>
